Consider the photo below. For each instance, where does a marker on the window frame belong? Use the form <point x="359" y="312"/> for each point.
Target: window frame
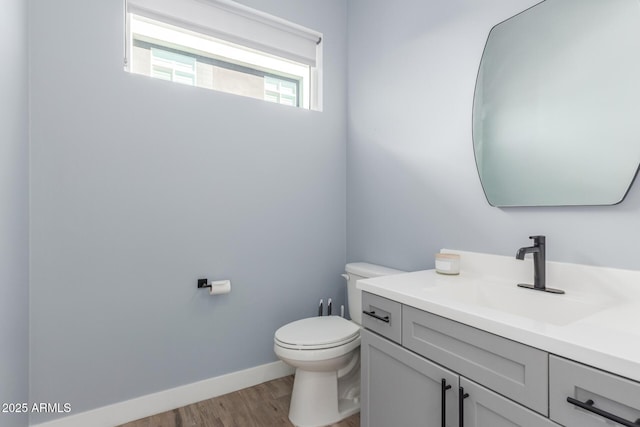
<point x="308" y="96"/>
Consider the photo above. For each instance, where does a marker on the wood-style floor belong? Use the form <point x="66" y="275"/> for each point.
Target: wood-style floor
<point x="264" y="405"/>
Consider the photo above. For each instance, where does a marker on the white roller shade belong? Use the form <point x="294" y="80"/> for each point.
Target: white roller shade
<point x="235" y="23"/>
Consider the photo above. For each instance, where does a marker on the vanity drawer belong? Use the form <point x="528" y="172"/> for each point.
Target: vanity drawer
<point x="383" y="316"/>
<point x="514" y="370"/>
<point x="610" y="393"/>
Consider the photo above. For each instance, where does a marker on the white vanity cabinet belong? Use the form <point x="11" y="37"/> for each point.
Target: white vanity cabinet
<point x="427" y="381"/>
<point x="520" y="358"/>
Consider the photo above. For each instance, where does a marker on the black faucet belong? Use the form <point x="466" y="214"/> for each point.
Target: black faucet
<point x="539" y="260"/>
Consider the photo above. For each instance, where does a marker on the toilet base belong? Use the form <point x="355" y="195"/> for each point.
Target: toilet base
<point x="320" y="398"/>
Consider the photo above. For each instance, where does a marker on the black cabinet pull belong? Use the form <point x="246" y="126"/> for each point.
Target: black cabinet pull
<point x="589" y="406"/>
<point x="461" y="397"/>
<point x="445" y="387"/>
<point x="373" y="314"/>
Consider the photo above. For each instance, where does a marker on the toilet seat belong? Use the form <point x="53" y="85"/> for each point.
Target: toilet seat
<point x="316" y="333"/>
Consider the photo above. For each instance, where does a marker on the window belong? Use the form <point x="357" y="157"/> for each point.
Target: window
<point x="222" y="45"/>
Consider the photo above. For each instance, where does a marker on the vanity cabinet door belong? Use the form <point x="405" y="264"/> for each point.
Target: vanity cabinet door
<point x="401" y="389"/>
<point x="483" y="408"/>
<point x="582" y="396"/>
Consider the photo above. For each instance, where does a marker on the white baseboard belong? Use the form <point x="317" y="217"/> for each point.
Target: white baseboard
<point x="151" y="404"/>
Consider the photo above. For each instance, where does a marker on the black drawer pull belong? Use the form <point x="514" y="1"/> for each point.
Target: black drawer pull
<point x="445" y="387"/>
<point x="373" y="314"/>
<point x="461" y="397"/>
<point x="588" y="406"/>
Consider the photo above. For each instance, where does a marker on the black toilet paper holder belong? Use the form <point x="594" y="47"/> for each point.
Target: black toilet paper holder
<point x="203" y="283"/>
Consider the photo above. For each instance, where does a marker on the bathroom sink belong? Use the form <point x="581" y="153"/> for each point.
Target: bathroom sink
<point x="543" y="307"/>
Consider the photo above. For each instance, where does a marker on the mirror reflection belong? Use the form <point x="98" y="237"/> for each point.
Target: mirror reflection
<point x="556" y="114"/>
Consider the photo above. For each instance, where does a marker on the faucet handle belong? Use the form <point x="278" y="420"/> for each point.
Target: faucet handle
<point x="538" y="239"/>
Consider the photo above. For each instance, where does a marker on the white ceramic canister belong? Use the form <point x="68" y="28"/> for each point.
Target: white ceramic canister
<point x="448" y="263"/>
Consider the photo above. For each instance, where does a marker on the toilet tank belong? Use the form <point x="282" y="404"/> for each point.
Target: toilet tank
<point x="355" y="272"/>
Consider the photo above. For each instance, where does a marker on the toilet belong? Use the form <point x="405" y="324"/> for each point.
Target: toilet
<point x="325" y="351"/>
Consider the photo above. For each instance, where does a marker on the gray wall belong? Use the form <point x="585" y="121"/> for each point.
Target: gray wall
<point x="412" y="181"/>
<point x="140" y="186"/>
<point x="14" y="210"/>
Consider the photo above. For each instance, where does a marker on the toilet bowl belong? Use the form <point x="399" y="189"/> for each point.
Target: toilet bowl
<point x="325" y="351"/>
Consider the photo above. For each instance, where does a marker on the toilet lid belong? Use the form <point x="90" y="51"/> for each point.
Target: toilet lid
<point x="317" y="332"/>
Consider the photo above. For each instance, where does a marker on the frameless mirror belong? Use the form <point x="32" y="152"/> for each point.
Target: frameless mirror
<point x="556" y="113"/>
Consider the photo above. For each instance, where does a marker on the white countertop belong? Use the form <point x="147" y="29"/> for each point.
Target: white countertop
<point x="597" y="321"/>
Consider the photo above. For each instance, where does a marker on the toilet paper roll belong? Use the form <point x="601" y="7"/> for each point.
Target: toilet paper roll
<point x="220" y="287"/>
